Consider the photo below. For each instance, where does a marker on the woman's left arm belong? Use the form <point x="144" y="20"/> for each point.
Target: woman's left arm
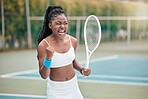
<point x="76" y="65"/>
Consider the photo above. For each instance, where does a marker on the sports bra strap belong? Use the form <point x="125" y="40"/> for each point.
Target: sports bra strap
<point x="70" y="40"/>
<point x="49" y="44"/>
<point x="46" y="42"/>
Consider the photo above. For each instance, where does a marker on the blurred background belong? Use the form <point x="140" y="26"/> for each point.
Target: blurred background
<point x="121" y="20"/>
<point x="119" y="65"/>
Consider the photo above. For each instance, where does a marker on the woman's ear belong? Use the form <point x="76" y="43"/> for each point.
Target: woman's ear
<point x="49" y="25"/>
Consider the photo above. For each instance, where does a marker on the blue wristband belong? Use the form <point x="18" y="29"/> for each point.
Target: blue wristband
<point x="47" y="63"/>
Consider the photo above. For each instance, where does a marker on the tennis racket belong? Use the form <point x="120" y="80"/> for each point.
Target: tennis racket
<point x="92" y="36"/>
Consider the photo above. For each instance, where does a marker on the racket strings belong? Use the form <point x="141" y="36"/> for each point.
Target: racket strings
<point x="92" y="33"/>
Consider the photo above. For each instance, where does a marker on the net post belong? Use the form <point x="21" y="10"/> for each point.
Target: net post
<point x="78" y="29"/>
<point x="129" y="32"/>
<point x="3" y="23"/>
<point x="28" y="24"/>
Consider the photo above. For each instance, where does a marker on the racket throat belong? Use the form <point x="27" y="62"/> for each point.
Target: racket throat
<point x="87" y="61"/>
<point x="87" y="64"/>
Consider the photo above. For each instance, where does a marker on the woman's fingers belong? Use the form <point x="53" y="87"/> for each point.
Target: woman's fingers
<point x="49" y="51"/>
<point x="86" y="72"/>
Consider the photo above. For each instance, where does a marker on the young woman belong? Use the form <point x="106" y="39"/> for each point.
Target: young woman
<point x="56" y="56"/>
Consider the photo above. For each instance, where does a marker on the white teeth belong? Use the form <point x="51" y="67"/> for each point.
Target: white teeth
<point x="61" y="32"/>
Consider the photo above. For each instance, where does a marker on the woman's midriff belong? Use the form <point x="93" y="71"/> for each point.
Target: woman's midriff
<point x="62" y="73"/>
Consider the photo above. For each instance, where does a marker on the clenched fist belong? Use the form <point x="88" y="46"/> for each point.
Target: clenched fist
<point x="49" y="51"/>
<point x="85" y="72"/>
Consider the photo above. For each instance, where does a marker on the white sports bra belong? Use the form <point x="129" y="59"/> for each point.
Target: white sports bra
<point x="62" y="59"/>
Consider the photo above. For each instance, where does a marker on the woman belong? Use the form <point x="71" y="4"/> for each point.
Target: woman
<point x="56" y="56"/>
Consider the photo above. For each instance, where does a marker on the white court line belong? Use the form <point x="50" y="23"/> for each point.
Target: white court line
<point x="18" y="73"/>
<point x="118" y="77"/>
<point x="114" y="82"/>
<point x="96" y="81"/>
<point x="24" y="95"/>
<point x="24" y="77"/>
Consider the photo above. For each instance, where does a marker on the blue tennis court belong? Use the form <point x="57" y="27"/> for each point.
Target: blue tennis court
<point x="114" y="69"/>
<point x="15" y="96"/>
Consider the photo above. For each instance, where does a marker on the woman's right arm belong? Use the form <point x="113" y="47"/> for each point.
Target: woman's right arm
<point x="44" y="52"/>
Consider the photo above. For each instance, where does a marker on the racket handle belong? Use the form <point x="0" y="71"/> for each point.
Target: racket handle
<point x="87" y="62"/>
<point x="85" y="76"/>
<point x="87" y="65"/>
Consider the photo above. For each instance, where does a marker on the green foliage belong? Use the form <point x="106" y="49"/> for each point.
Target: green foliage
<point x="37" y="7"/>
<point x="15" y="25"/>
<point x="15" y="16"/>
<point x="36" y="27"/>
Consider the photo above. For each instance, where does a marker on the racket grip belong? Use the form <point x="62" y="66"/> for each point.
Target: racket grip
<point x="85" y="76"/>
<point x="86" y="67"/>
<point x="87" y="62"/>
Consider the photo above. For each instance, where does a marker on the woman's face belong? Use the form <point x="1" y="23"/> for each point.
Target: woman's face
<point x="59" y="25"/>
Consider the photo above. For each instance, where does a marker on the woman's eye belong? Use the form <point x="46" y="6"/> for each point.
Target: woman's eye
<point x="58" y="23"/>
<point x="65" y="23"/>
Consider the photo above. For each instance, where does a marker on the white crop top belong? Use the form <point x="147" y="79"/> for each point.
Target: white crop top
<point x="62" y="59"/>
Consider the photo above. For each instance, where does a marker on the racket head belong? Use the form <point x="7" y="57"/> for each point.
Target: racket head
<point x="92" y="33"/>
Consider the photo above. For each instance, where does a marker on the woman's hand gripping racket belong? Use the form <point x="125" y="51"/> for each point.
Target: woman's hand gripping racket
<point x="92" y="36"/>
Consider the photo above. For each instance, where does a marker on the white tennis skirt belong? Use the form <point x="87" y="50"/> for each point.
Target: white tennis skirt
<point x="63" y="90"/>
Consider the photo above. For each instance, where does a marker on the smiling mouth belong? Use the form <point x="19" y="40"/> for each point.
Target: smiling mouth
<point x="62" y="32"/>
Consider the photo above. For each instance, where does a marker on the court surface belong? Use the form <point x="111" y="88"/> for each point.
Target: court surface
<point x="114" y="75"/>
<point x="110" y="69"/>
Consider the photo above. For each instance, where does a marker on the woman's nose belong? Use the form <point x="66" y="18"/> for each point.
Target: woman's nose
<point x="62" y="26"/>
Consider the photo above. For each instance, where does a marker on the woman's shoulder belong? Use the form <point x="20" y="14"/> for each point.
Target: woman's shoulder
<point x="42" y="44"/>
<point x="74" y="41"/>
